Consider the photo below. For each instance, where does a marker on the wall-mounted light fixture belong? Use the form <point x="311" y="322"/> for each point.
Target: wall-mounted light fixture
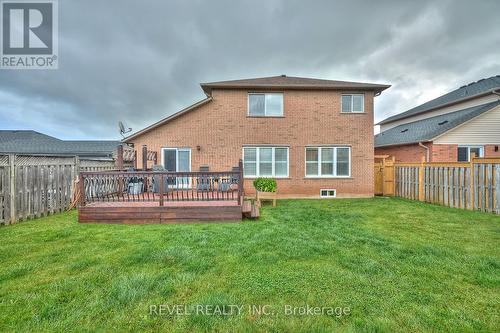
<point x="198" y="148"/>
<point x="496" y="148"/>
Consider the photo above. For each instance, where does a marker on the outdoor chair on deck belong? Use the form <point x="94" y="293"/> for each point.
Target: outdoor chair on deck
<point x="226" y="184"/>
<point x="156" y="180"/>
<point x="203" y="182"/>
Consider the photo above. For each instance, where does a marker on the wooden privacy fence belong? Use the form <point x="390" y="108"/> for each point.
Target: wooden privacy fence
<point x="34" y="186"/>
<point x="474" y="185"/>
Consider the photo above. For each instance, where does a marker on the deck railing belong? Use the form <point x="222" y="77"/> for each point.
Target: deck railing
<point x="160" y="186"/>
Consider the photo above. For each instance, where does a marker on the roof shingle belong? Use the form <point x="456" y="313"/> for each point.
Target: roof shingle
<point x="291" y="82"/>
<point x="464" y="92"/>
<point x="429" y="128"/>
<point x="32" y="142"/>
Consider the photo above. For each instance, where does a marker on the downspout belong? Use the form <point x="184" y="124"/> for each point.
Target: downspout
<point x="426" y="151"/>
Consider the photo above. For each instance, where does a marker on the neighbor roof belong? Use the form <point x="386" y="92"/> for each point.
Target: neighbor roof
<point x="291" y="82"/>
<point x="429" y="128"/>
<point x="471" y="90"/>
<point x="32" y="142"/>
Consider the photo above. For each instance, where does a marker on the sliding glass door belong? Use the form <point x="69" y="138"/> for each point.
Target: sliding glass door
<point x="177" y="160"/>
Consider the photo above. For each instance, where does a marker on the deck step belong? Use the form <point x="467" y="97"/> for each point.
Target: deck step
<point x="247" y="206"/>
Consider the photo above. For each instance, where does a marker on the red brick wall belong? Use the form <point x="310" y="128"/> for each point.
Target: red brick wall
<point x="403" y="153"/>
<point x="444" y="153"/>
<point x="438" y="152"/>
<point x="489" y="151"/>
<point x="222" y="127"/>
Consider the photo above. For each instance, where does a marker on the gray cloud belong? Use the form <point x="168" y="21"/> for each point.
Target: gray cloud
<point x="139" y="61"/>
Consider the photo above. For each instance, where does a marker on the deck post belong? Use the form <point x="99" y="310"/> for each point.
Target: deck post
<point x="161" y="190"/>
<point x="240" y="185"/>
<point x="119" y="157"/>
<point x="144" y="158"/>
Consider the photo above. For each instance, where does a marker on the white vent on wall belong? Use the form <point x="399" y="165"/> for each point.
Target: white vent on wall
<point x="328" y="193"/>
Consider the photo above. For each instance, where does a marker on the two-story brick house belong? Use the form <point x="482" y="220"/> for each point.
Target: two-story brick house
<point x="309" y="134"/>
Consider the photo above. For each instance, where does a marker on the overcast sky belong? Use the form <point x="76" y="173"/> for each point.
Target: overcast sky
<point x="139" y="61"/>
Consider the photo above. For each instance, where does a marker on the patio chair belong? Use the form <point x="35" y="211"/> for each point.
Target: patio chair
<point x="203" y="182"/>
<point x="156" y="180"/>
<point x="226" y="184"/>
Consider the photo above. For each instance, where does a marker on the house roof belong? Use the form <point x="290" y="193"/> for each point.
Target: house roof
<point x="429" y="128"/>
<point x="291" y="82"/>
<point x="32" y="142"/>
<point x="471" y="90"/>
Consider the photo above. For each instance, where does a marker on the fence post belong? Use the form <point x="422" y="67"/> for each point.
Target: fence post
<point x="144" y="158"/>
<point x="421" y="170"/>
<point x="119" y="157"/>
<point x="12" y="188"/>
<point x="472" y="180"/>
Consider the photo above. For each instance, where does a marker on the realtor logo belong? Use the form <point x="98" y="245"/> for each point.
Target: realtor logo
<point x="29" y="34"/>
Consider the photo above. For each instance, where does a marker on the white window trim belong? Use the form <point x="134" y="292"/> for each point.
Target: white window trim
<point x="354" y="94"/>
<point x="481" y="150"/>
<point x="265" y="105"/>
<point x="257" y="159"/>
<point x="319" y="175"/>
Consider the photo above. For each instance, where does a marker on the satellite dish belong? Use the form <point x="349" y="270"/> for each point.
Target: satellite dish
<point x="122" y="129"/>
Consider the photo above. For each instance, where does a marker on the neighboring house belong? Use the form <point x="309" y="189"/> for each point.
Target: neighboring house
<point x="309" y="134"/>
<point x="34" y="143"/>
<point x="448" y="128"/>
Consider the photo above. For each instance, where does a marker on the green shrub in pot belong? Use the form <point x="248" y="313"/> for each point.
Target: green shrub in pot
<point x="265" y="184"/>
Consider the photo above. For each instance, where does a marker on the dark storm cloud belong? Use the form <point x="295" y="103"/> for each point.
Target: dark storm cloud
<point x="139" y="61"/>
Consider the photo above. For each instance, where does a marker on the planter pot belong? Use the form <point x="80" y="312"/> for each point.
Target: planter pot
<point x="266" y="196"/>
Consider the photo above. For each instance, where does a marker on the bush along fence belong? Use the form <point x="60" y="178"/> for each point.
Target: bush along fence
<point x="34" y="186"/>
<point x="474" y="185"/>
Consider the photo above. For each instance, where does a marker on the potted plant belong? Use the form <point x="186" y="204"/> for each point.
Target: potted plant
<point x="266" y="189"/>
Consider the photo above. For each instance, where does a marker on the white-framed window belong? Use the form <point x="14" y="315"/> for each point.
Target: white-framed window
<point x="327" y="193"/>
<point x="265" y="162"/>
<point x="353" y="103"/>
<point x="328" y="162"/>
<point x="265" y="104"/>
<point x="464" y="152"/>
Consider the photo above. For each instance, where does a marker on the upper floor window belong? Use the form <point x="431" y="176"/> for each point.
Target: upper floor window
<point x="265" y="105"/>
<point x="464" y="152"/>
<point x="353" y="103"/>
<point x="328" y="162"/>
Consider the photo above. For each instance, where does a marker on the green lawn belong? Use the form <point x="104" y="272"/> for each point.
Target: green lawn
<point x="390" y="264"/>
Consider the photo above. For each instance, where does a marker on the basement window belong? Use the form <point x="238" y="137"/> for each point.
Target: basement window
<point x="328" y="193"/>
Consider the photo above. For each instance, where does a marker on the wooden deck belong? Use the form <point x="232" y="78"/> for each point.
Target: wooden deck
<point x="152" y="212"/>
<point x="160" y="196"/>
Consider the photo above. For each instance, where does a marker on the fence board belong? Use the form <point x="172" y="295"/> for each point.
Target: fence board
<point x="34" y="186"/>
<point x="456" y="185"/>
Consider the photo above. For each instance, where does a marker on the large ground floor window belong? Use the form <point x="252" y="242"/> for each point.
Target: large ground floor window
<point x="328" y="161"/>
<point x="265" y="162"/>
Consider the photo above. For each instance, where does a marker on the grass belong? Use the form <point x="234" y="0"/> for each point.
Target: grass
<point x="395" y="265"/>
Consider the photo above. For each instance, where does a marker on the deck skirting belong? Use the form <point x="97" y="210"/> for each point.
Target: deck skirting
<point x="158" y="214"/>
